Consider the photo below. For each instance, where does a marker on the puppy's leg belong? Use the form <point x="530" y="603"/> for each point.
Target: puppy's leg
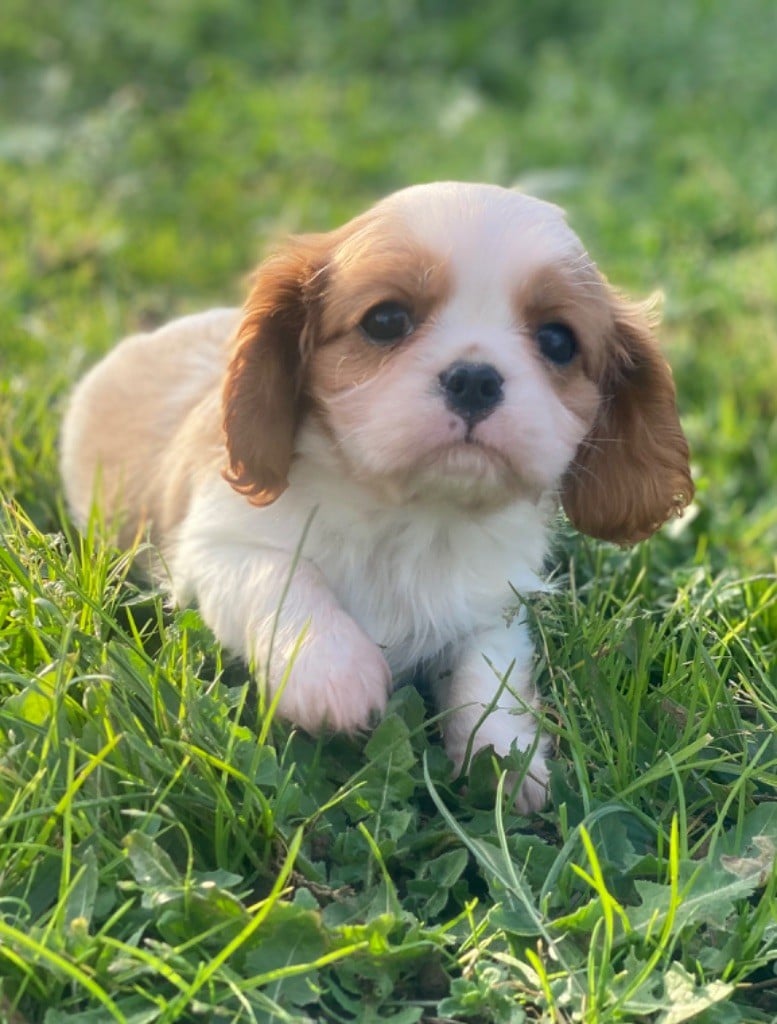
<point x="493" y="671"/>
<point x="276" y="615"/>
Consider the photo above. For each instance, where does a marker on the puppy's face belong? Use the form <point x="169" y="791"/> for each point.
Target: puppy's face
<point x="457" y="343"/>
<point x="458" y="336"/>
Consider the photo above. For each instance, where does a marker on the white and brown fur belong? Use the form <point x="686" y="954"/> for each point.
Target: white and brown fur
<point x="226" y="432"/>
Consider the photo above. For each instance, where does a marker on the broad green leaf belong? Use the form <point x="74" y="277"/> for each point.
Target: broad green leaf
<point x="686" y="999"/>
<point x="582" y="920"/>
<point x="198" y="910"/>
<point x="152" y="867"/>
<point x="289" y="939"/>
<point x="513" y="917"/>
<point x="757" y="867"/>
<point x="30" y="705"/>
<point x="435" y="879"/>
<point x="708" y="895"/>
<point x="390" y="744"/>
<point x="755" y="837"/>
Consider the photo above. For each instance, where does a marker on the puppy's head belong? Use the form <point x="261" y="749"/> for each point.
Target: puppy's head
<point x="456" y="343"/>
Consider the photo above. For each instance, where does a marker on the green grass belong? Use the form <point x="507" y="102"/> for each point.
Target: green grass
<point x="158" y="862"/>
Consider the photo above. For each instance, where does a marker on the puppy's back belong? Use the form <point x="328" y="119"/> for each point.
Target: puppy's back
<point x="131" y="412"/>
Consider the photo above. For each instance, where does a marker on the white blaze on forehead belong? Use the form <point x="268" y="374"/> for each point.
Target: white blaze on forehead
<point x="485" y="233"/>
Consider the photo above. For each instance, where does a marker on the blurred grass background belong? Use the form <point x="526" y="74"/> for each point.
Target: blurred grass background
<point x="150" y="152"/>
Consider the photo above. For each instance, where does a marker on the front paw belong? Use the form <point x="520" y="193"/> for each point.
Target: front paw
<point x="499" y="730"/>
<point x="532" y="794"/>
<point x="338" y="679"/>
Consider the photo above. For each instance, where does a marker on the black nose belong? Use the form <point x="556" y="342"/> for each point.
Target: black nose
<point x="473" y="390"/>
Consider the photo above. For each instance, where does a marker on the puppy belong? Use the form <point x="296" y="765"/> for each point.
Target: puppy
<point x="412" y="394"/>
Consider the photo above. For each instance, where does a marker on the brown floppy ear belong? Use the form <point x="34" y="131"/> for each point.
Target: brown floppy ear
<point x="264" y="386"/>
<point x="631" y="472"/>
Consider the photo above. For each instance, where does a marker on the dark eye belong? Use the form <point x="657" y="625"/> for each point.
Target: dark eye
<point x="557" y="343"/>
<point x="386" y="323"/>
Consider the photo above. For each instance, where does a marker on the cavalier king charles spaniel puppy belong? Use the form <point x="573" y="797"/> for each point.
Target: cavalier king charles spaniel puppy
<point x="354" y="476"/>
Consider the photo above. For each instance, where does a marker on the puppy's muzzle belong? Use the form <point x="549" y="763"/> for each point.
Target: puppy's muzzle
<point x="472" y="390"/>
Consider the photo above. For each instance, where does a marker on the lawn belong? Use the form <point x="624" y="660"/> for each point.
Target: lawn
<point x="167" y="853"/>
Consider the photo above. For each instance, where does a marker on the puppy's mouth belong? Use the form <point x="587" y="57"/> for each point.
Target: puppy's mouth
<point x="468" y="453"/>
<point x="467" y="472"/>
<point x="468" y="459"/>
<point x="473" y="465"/>
<point x="465" y="436"/>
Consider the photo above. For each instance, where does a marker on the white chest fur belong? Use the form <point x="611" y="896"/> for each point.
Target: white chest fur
<point x="417" y="578"/>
